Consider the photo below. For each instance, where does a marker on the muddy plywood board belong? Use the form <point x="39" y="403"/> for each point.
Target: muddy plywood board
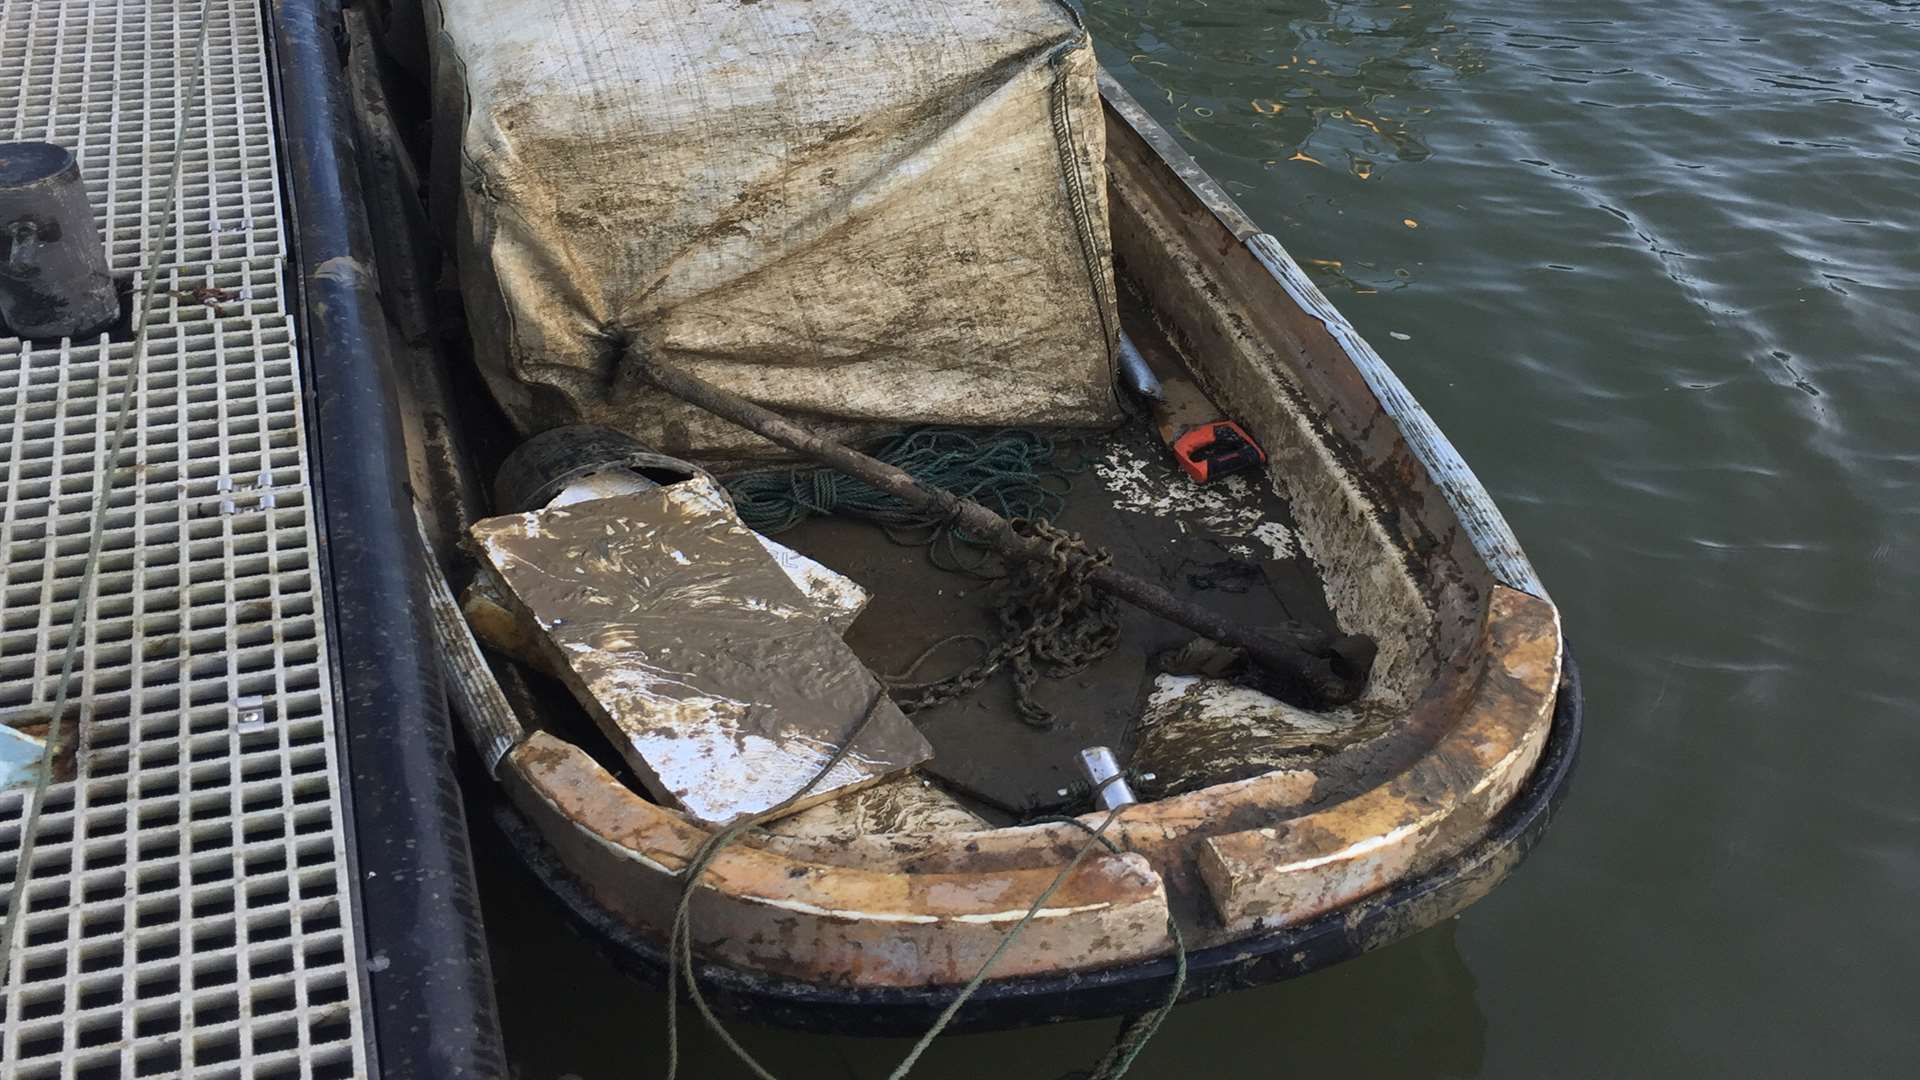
<point x="840" y="600"/>
<point x="695" y="653"/>
<point x="1228" y="545"/>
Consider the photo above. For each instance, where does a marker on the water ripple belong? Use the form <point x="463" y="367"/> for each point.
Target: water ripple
<point x="1665" y="295"/>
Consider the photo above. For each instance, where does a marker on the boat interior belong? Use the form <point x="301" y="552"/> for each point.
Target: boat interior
<point x="1230" y="544"/>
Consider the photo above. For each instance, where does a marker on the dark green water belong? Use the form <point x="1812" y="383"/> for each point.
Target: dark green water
<point x="1663" y="293"/>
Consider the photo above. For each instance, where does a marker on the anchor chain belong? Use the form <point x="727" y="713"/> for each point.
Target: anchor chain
<point x="1053" y="622"/>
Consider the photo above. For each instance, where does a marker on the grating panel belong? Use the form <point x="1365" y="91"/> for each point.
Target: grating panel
<point x="190" y="903"/>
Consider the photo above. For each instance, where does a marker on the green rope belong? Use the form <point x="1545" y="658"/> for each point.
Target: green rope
<point x="1135" y="1032"/>
<point x="1006" y="941"/>
<point x="680" y="940"/>
<point x="1014" y="473"/>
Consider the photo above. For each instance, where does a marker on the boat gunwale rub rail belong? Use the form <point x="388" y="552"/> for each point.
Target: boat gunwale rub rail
<point x="199" y="895"/>
<point x="1413" y="903"/>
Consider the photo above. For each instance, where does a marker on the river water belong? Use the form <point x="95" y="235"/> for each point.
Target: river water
<point x="1655" y="268"/>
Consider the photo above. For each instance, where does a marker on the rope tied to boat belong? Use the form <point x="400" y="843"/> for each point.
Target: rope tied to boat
<point x="680" y="934"/>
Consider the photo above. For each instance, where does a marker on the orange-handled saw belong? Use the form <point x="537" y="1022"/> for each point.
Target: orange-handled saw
<point x="1207" y="445"/>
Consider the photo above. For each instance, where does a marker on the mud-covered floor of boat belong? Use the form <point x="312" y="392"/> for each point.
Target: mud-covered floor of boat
<point x="1228" y="545"/>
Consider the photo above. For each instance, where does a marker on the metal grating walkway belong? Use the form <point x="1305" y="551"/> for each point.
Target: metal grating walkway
<point x="190" y="905"/>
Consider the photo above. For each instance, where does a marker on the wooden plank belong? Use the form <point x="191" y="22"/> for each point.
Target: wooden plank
<point x="841" y="599"/>
<point x="500" y="623"/>
<point x="694" y="652"/>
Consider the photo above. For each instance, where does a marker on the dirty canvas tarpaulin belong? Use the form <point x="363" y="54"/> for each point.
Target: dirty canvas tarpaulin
<point x="854" y="209"/>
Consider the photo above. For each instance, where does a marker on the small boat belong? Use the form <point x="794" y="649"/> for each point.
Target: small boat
<point x="1277" y="842"/>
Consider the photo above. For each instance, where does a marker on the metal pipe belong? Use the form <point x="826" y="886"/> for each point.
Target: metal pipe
<point x="1102" y="769"/>
<point x="432" y="1003"/>
<point x="1135" y="373"/>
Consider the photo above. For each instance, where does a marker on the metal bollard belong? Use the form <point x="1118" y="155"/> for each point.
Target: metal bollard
<point x="54" y="281"/>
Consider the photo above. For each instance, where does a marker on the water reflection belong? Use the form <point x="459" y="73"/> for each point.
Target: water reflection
<point x="1315" y="81"/>
<point x="1411" y="1011"/>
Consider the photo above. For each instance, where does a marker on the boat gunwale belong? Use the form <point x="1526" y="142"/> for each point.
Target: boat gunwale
<point x="1271" y="955"/>
<point x="1485" y="526"/>
<point x="875" y="923"/>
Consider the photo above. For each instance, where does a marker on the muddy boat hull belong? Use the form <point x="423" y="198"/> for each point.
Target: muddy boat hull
<point x="1396" y="858"/>
<point x="1400" y="911"/>
<point x="1271" y="875"/>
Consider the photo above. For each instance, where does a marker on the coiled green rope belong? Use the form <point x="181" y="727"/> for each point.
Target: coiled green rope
<point x="1014" y="473"/>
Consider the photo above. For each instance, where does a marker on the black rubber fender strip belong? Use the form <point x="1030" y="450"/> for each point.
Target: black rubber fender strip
<point x="418" y="913"/>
